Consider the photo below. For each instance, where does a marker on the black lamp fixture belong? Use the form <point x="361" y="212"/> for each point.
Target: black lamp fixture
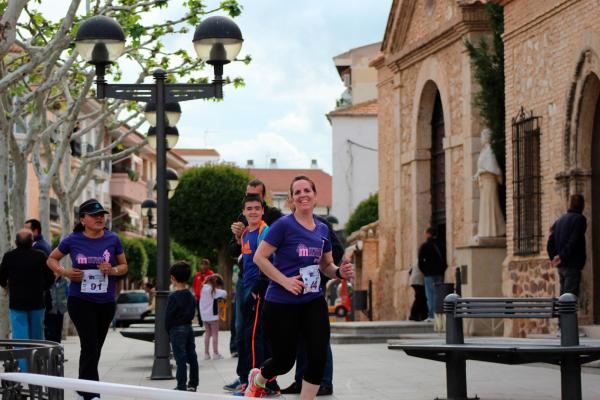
<point x="172" y="110"/>
<point x="171" y="133"/>
<point x="150" y="205"/>
<point x="217" y="40"/>
<point x="172" y="178"/>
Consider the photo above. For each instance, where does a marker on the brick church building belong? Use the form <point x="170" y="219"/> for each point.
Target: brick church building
<point x="429" y="144"/>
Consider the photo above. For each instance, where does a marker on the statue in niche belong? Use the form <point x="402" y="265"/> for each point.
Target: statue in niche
<point x="489" y="175"/>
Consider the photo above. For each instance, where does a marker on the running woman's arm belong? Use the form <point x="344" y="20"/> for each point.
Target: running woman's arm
<point x="261" y="259"/>
<point x="332" y="271"/>
<point x="73" y="274"/>
<point x="118" y="270"/>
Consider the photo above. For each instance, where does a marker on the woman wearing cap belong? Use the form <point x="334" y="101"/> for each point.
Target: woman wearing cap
<point x="97" y="258"/>
<point x="295" y="303"/>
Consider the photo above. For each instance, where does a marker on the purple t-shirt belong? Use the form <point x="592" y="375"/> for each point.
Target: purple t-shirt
<point x="88" y="253"/>
<point x="297" y="247"/>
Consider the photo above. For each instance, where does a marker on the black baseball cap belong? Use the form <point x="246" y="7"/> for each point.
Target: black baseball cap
<point x="91" y="207"/>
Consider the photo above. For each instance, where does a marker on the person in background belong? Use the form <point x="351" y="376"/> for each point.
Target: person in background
<point x="23" y="271"/>
<point x="418" y="310"/>
<point x="212" y="290"/>
<point x="181" y="308"/>
<point x="56" y="307"/>
<point x="566" y="245"/>
<point x="432" y="264"/>
<point x="39" y="243"/>
<point x="199" y="279"/>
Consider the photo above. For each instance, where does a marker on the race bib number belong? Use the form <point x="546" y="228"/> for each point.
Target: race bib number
<point x="94" y="281"/>
<point x="311" y="278"/>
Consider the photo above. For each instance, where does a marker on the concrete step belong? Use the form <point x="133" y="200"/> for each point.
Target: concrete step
<point x="376" y="331"/>
<point x="591" y="331"/>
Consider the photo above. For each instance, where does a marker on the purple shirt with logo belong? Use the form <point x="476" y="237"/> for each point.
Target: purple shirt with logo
<point x="297" y="247"/>
<point x="88" y="253"/>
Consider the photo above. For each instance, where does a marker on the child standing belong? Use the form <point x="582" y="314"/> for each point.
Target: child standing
<point x="211" y="291"/>
<point x="181" y="308"/>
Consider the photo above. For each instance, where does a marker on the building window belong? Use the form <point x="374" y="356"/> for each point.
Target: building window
<point x="527" y="194"/>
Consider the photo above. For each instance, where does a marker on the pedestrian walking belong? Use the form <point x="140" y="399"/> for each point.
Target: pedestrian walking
<point x="432" y="264"/>
<point x="566" y="245"/>
<point x="212" y="291"/>
<point x="98" y="259"/>
<point x="181" y="309"/>
<point x="294" y="303"/>
<point x="24" y="273"/>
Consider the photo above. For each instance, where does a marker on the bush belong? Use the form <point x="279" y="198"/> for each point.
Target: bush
<point x="137" y="259"/>
<point x="366" y="212"/>
<point x="151" y="252"/>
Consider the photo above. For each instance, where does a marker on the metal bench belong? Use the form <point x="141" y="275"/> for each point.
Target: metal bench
<point x="569" y="354"/>
<point x="145" y="332"/>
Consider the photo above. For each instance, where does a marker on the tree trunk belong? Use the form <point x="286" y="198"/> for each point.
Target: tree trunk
<point x="17" y="191"/>
<point x="5" y="228"/>
<point x="44" y="207"/>
<point x="225" y="269"/>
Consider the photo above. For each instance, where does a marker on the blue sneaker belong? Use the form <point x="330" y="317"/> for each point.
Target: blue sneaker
<point x="242" y="391"/>
<point x="234" y="386"/>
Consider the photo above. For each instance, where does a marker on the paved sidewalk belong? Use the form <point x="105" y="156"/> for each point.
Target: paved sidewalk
<point x="361" y="371"/>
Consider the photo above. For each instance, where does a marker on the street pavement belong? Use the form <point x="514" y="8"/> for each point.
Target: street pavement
<point x="361" y="371"/>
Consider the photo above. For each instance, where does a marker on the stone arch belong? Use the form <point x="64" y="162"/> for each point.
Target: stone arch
<point x="588" y="64"/>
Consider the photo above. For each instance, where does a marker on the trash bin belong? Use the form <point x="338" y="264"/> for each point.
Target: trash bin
<point x="441" y="290"/>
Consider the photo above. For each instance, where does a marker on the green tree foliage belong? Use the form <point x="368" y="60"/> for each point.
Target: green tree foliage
<point x="137" y="259"/>
<point x="207" y="200"/>
<point x="151" y="252"/>
<point x="179" y="252"/>
<point x="488" y="69"/>
<point x="366" y="212"/>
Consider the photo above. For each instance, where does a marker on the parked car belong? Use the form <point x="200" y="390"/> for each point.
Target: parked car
<point x="131" y="305"/>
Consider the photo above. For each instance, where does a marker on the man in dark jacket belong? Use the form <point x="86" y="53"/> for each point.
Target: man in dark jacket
<point x="24" y="272"/>
<point x="566" y="245"/>
<point x="39" y="243"/>
<point x="433" y="265"/>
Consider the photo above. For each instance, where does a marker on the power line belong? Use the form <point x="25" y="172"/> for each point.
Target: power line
<point x="362" y="146"/>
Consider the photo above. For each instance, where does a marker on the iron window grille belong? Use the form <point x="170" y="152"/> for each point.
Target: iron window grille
<point x="527" y="194"/>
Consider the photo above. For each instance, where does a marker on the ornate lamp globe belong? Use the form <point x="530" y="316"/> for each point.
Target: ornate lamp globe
<point x="100" y="40"/>
<point x="172" y="111"/>
<point x="171" y="133"/>
<point x="217" y="40"/>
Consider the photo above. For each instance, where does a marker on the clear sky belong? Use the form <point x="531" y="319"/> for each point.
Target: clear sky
<point x="290" y="85"/>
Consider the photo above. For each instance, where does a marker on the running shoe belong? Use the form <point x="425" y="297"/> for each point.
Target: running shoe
<point x="241" y="392"/>
<point x="253" y="390"/>
<point x="217" y="357"/>
<point x="233" y="386"/>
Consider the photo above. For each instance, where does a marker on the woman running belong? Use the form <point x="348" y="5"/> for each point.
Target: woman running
<point x="295" y="302"/>
<point x="97" y="257"/>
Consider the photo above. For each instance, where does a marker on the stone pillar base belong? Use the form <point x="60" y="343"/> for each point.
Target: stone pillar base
<point x="481" y="267"/>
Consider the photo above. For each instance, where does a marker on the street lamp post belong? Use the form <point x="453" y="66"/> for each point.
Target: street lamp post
<point x="217" y="40"/>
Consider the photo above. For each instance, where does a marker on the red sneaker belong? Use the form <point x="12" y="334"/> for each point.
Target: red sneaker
<point x="253" y="390"/>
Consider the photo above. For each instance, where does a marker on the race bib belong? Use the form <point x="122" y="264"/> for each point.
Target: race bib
<point x="94" y="281"/>
<point x="311" y="278"/>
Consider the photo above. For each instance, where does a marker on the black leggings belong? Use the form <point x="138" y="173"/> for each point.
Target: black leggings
<point x="91" y="321"/>
<point x="283" y="325"/>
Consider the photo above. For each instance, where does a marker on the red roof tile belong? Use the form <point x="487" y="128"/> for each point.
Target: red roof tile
<point x="367" y="108"/>
<point x="196" y="152"/>
<point x="277" y="180"/>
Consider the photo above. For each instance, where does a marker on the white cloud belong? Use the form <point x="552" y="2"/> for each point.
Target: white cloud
<point x="261" y="149"/>
<point x="295" y="121"/>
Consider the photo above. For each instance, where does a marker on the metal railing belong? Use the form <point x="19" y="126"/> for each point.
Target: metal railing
<point x="43" y="357"/>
